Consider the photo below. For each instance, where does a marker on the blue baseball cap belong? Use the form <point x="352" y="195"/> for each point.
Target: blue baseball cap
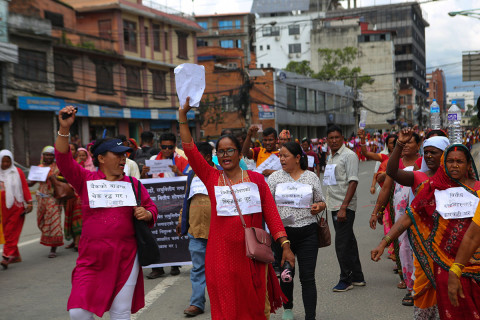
<point x="114" y="145"/>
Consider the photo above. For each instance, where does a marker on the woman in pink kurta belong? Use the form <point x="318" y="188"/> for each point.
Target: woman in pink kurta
<point x="107" y="248"/>
<point x="238" y="287"/>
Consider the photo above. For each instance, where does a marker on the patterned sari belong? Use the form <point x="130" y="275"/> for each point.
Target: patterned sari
<point x="435" y="242"/>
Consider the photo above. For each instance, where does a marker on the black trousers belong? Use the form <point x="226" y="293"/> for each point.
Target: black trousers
<point x="347" y="249"/>
<point x="304" y="244"/>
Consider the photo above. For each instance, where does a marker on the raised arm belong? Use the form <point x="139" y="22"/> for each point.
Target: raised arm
<point x="246" y="151"/>
<point x="369" y="155"/>
<point x="405" y="178"/>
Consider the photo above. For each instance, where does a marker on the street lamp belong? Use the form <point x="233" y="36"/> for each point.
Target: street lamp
<point x="473" y="13"/>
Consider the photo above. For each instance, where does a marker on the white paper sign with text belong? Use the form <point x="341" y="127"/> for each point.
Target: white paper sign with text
<point x="329" y="175"/>
<point x="159" y="166"/>
<point x="293" y="194"/>
<point x="311" y="161"/>
<point x="110" y="194"/>
<point x="247" y="195"/>
<point x="37" y="173"/>
<point x="455" y="203"/>
<point x="272" y="163"/>
<point x="197" y="187"/>
<point x="190" y="82"/>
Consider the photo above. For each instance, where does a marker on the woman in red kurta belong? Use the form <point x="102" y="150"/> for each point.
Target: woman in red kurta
<point x="239" y="288"/>
<point x="14" y="193"/>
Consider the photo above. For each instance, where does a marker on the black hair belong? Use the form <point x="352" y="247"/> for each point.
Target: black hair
<point x="146" y="136"/>
<point x="307" y="141"/>
<point x="75" y="146"/>
<point x="334" y="128"/>
<point x="205" y="148"/>
<point x="268" y="131"/>
<point x="233" y="139"/>
<point x="461" y="148"/>
<point x="390" y="136"/>
<point x="94" y="147"/>
<point x="121" y="137"/>
<point x="168" y="137"/>
<point x="417" y="137"/>
<point x="226" y="131"/>
<point x="437" y="132"/>
<point x="295" y="149"/>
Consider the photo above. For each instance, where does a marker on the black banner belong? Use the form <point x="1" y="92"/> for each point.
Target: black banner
<point x="168" y="195"/>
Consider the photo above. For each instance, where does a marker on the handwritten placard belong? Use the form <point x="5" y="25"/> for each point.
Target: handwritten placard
<point x="272" y="163"/>
<point x="159" y="166"/>
<point x="329" y="178"/>
<point x="197" y="187"/>
<point x="37" y="173"/>
<point x="295" y="195"/>
<point x="311" y="161"/>
<point x="248" y="198"/>
<point x="110" y="194"/>
<point x="455" y="203"/>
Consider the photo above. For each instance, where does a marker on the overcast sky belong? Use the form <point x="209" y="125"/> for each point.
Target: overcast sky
<point x="446" y="37"/>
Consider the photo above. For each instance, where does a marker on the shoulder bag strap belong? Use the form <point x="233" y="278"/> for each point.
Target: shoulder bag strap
<point x="235" y="199"/>
<point x="138" y="193"/>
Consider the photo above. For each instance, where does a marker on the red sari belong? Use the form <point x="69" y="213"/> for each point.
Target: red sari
<point x="236" y="285"/>
<point x="13" y="219"/>
<point x="436" y="239"/>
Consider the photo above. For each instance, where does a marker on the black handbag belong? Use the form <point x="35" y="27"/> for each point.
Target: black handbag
<point x="147" y="247"/>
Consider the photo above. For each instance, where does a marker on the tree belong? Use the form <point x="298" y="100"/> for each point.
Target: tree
<point x="302" y="68"/>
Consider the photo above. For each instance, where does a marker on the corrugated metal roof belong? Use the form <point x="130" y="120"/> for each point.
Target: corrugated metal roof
<point x="272" y="6"/>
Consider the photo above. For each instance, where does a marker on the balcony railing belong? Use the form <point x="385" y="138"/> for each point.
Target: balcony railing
<point x="84" y="41"/>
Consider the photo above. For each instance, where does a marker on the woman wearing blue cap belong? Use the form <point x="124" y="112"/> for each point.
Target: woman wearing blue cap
<point x="107" y="275"/>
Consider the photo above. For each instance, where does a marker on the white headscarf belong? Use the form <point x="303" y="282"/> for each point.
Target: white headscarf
<point x="438" y="142"/>
<point x="12" y="181"/>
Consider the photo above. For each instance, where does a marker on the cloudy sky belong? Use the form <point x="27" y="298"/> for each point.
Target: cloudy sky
<point x="446" y="37"/>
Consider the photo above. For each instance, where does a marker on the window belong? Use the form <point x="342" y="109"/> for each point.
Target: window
<point x="146" y="35"/>
<point x="55" y="18"/>
<point x="159" y="84"/>
<point x="302" y="99"/>
<point x="330" y="101"/>
<point x="294" y="29"/>
<point x="105" y="28"/>
<point x="166" y="38"/>
<point x="226" y="43"/>
<point x="134" y="83"/>
<point x="202" y="43"/>
<point x="239" y="43"/>
<point x="32" y="65"/>
<point x="130" y="35"/>
<point x="270" y="31"/>
<point x="104" y="73"/>
<point x="156" y="37"/>
<point x="64" y="73"/>
<point x="238" y="24"/>
<point x="291" y="97"/>
<point x="261" y="65"/>
<point x="320" y="101"/>
<point x="227" y="104"/>
<point x="295" y="48"/>
<point x="261" y="48"/>
<point x="268" y="47"/>
<point x="203" y="24"/>
<point x="269" y="65"/>
<point x="311" y="100"/>
<point x="182" y="45"/>
<point x="225" y="25"/>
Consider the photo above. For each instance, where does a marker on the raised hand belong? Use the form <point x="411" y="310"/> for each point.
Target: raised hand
<point x="405" y="135"/>
<point x="67" y="123"/>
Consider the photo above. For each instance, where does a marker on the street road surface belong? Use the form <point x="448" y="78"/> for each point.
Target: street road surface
<point x="38" y="288"/>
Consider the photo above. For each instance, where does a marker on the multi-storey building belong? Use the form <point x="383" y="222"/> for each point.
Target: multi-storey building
<point x="113" y="59"/>
<point x="437" y="89"/>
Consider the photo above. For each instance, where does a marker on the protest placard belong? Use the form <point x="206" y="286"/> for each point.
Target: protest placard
<point x="455" y="203"/>
<point x="159" y="166"/>
<point x="37" y="173"/>
<point x="168" y="195"/>
<point x="272" y="163"/>
<point x="190" y="82"/>
<point x="294" y="194"/>
<point x="311" y="161"/>
<point x="110" y="194"/>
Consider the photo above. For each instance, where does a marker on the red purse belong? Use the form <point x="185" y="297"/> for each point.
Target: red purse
<point x="258" y="243"/>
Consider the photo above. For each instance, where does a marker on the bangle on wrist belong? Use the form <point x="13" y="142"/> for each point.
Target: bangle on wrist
<point x="63" y="135"/>
<point x="284" y="242"/>
<point x="400" y="144"/>
<point x="387" y="239"/>
<point x="183" y="122"/>
<point x="456" y="269"/>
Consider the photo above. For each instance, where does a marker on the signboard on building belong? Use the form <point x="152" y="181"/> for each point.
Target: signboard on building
<point x="471" y="66"/>
<point x="266" y="112"/>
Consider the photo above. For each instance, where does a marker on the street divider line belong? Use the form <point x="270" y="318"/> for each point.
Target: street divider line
<point x="155" y="293"/>
<point x="26" y="243"/>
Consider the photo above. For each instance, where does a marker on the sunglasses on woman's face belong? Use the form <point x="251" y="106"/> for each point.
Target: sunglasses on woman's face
<point x="226" y="153"/>
<point x="167" y="147"/>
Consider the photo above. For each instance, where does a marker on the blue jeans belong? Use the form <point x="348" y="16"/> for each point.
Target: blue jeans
<point x="197" y="247"/>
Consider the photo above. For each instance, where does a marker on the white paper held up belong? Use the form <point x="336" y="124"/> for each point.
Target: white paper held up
<point x="37" y="173"/>
<point x="190" y="82"/>
<point x="110" y="194"/>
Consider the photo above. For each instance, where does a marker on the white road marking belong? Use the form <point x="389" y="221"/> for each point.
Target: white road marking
<point x="155" y="293"/>
<point x="26" y="243"/>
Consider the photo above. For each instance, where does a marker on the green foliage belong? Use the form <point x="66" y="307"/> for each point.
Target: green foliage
<point x="334" y="67"/>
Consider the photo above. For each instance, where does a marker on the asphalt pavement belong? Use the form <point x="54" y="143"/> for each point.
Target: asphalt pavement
<point x="38" y="288"/>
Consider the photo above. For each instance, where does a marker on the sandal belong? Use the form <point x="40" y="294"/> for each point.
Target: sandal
<point x="4" y="264"/>
<point x="70" y="246"/>
<point x="52" y="255"/>
<point x="401" y="285"/>
<point x="408" y="300"/>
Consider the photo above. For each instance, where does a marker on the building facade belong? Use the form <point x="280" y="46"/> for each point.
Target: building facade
<point x="437" y="89"/>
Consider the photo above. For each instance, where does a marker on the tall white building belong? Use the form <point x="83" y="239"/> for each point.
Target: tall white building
<point x="282" y="31"/>
<point x="463" y="99"/>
